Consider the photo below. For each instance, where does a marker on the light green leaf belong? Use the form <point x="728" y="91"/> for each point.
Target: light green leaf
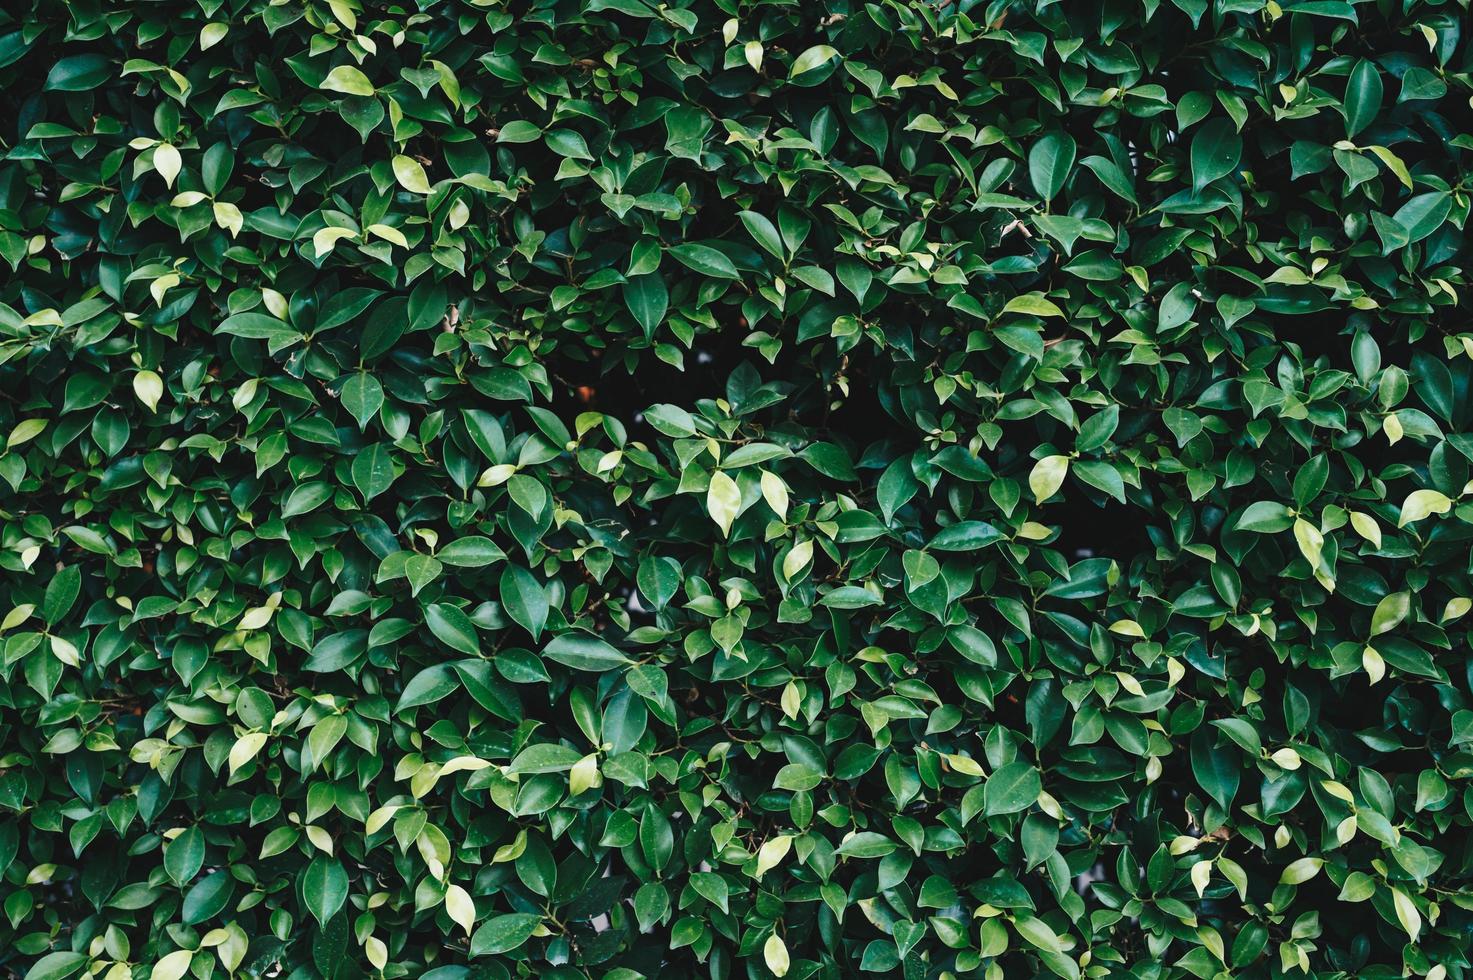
<point x="347" y="80"/>
<point x="723" y="501"/>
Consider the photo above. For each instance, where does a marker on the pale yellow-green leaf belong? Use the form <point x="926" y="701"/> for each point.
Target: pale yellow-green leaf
<point x="1391" y="427"/>
<point x="1456" y="608"/>
<point x="1374" y="664"/>
<point x="347" y="80"/>
<point x="1358" y="887"/>
<point x="211" y="35"/>
<point x="965" y="765"/>
<point x="495" y="476"/>
<point x="246" y="748"/>
<point x="326" y="239"/>
<point x="775" y="492"/>
<point x="232" y="948"/>
<point x="464" y="763"/>
<point x="1287" y="759"/>
<point x="149" y="388"/>
<point x="584" y="775"/>
<point x="166" y="161"/>
<point x="276" y="303"/>
<point x="376" y="951"/>
<point x="1365" y="525"/>
<point x="1422" y="503"/>
<point x="389" y="234"/>
<point x="1233" y="872"/>
<point x="729" y="29"/>
<point x="797" y="559"/>
<point x="172" y="966"/>
<point x="379" y="818"/>
<point x="814" y="57"/>
<point x="1311" y="542"/>
<point x="771" y="854"/>
<point x="460" y="907"/>
<point x="228" y="216"/>
<point x="162" y="285"/>
<point x="16" y="616"/>
<point x="775" y="955"/>
<point x="512" y="851"/>
<point x="752" y="51"/>
<point x="1033" y="304"/>
<point x="1393" y="163"/>
<point x="791" y="700"/>
<point x="1300" y="871"/>
<point x="65" y="651"/>
<point x="344" y="13"/>
<point x="1131" y="685"/>
<point x="1406" y="913"/>
<point x="245" y="394"/>
<point x="1127" y="627"/>
<point x="1390" y="612"/>
<point x="255" y="618"/>
<point x="320" y="838"/>
<point x="1047" y="476"/>
<point x="1211" y="939"/>
<point x="48" y="317"/>
<point x="25" y="431"/>
<point x="1201" y="876"/>
<point x="723" y="501"/>
<point x="411" y="175"/>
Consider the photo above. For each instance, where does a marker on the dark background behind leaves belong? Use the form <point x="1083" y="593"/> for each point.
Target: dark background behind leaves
<point x="620" y="489"/>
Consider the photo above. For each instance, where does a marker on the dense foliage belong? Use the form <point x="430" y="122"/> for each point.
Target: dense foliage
<point x="607" y="488"/>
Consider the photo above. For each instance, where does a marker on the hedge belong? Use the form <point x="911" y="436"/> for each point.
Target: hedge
<point x="735" y="488"/>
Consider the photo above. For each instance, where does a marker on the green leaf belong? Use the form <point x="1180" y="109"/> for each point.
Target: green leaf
<point x="1050" y="160"/>
<point x="362" y="397"/>
<point x="705" y="260"/>
<point x="647" y="298"/>
<point x="504" y="933"/>
<point x="185" y="855"/>
<point x="524" y="600"/>
<point x="428" y="687"/>
<point x="453" y="628"/>
<point x="324" y="888"/>
<point x="61" y="594"/>
<point x="545" y="757"/>
<point x="373" y="471"/>
<point x="1265" y="517"/>
<point x="584" y="653"/>
<point x="1216" y="150"/>
<point x="1362" y="97"/>
<point x="763" y="232"/>
<point x="57" y="966"/>
<point x="79" y="73"/>
<point x="1012" y="788"/>
<point x="812" y="58"/>
<point x="965" y="536"/>
<point x="865" y="845"/>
